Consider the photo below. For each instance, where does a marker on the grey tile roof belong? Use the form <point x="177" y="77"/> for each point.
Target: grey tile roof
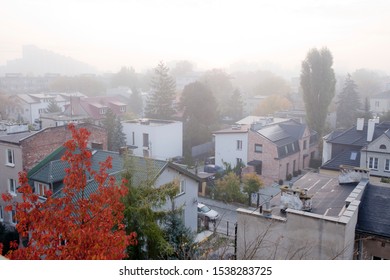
<point x="349" y="157"/>
<point x="374" y="211"/>
<point x="15" y="138"/>
<point x="358" y="138"/>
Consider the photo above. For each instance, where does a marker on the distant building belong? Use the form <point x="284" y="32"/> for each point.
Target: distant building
<point x="28" y="107"/>
<point x="158" y="139"/>
<point x="17" y="83"/>
<point x="380" y="103"/>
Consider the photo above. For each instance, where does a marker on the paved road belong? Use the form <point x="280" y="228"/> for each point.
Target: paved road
<point x="227" y="212"/>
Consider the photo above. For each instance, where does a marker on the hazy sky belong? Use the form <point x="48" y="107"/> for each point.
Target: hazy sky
<point x="113" y="33"/>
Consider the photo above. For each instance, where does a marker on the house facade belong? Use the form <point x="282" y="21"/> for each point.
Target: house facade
<point x="274" y="150"/>
<point x="50" y="174"/>
<point x="158" y="139"/>
<point x="28" y="107"/>
<point x="380" y="103"/>
<point x="22" y="151"/>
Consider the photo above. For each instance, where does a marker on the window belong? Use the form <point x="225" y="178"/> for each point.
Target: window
<point x="304" y="144"/>
<point x="10" y="157"/>
<point x="238" y="161"/>
<point x="1" y="213"/>
<point x="41" y="111"/>
<point x="122" y="109"/>
<point x="182" y="187"/>
<point x="41" y="189"/>
<point x="382" y="147"/>
<point x="12" y="186"/>
<point x="373" y="163"/>
<point x="146" y="140"/>
<point x="258" y="148"/>
<point x="353" y="156"/>
<point x="239" y="145"/>
<point x="102" y="111"/>
<point x="13" y="216"/>
<point x="387" y="164"/>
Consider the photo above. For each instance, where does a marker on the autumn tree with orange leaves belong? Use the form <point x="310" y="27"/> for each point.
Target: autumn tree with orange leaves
<point x="74" y="225"/>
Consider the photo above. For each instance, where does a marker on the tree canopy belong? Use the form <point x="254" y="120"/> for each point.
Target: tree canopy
<point x="348" y="105"/>
<point x="199" y="114"/>
<point x="161" y="101"/>
<point x="318" y="85"/>
<point x="143" y="213"/>
<point x="74" y="225"/>
<point x="115" y="136"/>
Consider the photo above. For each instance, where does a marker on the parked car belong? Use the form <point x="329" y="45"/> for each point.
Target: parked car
<point x="206" y="212"/>
<point x="212" y="168"/>
<point x="209" y="160"/>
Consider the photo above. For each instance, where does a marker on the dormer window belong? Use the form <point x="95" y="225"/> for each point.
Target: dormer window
<point x="102" y="111"/>
<point x="123" y="109"/>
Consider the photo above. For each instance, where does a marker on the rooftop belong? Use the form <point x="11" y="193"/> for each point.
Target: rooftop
<point x="149" y="122"/>
<point x="374" y="211"/>
<point x="328" y="196"/>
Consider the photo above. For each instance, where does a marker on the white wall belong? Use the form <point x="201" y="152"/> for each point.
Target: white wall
<point x="187" y="200"/>
<point x="226" y="148"/>
<point x="166" y="140"/>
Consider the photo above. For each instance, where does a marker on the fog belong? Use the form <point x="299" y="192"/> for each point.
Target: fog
<point x="268" y="35"/>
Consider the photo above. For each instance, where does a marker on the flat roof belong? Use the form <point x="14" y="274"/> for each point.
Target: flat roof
<point x="328" y="196"/>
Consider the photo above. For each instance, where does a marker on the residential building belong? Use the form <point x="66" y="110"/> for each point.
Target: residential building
<point x="276" y="148"/>
<point x="373" y="226"/>
<point x="49" y="174"/>
<point x="380" y="103"/>
<point x="95" y="108"/>
<point x="23" y="150"/>
<point x="158" y="139"/>
<point x="28" y="107"/>
<point x="17" y="83"/>
<point x="365" y="145"/>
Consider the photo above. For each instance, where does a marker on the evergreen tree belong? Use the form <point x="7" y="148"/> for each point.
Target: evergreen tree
<point x="235" y="106"/>
<point x="135" y="102"/>
<point x="160" y="102"/>
<point x="178" y="236"/>
<point x="53" y="107"/>
<point x="142" y="214"/>
<point x="348" y="105"/>
<point x="115" y="136"/>
<point x="318" y="85"/>
<point x="367" y="112"/>
<point x="199" y="115"/>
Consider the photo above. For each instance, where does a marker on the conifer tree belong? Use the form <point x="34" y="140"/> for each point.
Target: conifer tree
<point x="160" y="103"/>
<point x="348" y="105"/>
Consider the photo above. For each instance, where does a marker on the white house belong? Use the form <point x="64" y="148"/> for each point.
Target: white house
<point x="380" y="103"/>
<point x="231" y="145"/>
<point x="28" y="107"/>
<point x="158" y="139"/>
